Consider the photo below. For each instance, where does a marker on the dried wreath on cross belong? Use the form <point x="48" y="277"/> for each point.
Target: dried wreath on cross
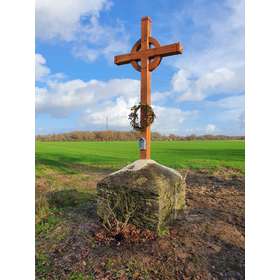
<point x="146" y="119"/>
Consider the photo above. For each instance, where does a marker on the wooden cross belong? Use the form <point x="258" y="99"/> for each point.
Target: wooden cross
<point x="150" y="58"/>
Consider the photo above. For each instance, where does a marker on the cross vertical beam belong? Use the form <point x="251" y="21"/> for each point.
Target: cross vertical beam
<point x="145" y="83"/>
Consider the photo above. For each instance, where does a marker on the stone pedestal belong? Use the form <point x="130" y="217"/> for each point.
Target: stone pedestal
<point x="144" y="193"/>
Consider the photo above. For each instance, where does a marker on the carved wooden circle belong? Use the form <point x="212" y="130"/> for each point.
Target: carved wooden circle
<point x="154" y="62"/>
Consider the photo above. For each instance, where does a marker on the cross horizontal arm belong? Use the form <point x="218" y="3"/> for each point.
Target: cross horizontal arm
<point x="163" y="51"/>
<point x="166" y="50"/>
<point x="126" y="58"/>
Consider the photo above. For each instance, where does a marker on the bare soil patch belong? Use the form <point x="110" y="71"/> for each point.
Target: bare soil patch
<point x="207" y="241"/>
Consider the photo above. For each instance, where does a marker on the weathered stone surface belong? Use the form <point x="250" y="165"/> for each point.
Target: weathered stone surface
<point x="143" y="193"/>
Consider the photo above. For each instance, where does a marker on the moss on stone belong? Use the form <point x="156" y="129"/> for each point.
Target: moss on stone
<point x="147" y="197"/>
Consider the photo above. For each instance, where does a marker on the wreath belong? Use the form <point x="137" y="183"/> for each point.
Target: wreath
<point x="147" y="120"/>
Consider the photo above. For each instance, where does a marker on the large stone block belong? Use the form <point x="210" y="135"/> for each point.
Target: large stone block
<point x="144" y="193"/>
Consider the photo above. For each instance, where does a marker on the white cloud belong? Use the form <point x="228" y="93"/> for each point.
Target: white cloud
<point x="229" y="110"/>
<point x="100" y="101"/>
<point x="96" y="40"/>
<point x="41" y="70"/>
<point x="180" y="80"/>
<point x="115" y="113"/>
<point x="78" y="22"/>
<point x="85" y="53"/>
<point x="171" y="119"/>
<point x="219" y="80"/>
<point x="210" y="128"/>
<point x="161" y="96"/>
<point x="231" y="102"/>
<point x="61" y="98"/>
<point x="168" y="119"/>
<point x="62" y="19"/>
<point x="228" y="113"/>
<point x="213" y="61"/>
<point x="115" y="45"/>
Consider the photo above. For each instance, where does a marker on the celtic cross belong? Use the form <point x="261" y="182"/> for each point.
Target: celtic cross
<point x="150" y="58"/>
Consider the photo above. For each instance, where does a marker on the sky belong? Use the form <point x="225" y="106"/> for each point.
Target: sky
<point x="78" y="86"/>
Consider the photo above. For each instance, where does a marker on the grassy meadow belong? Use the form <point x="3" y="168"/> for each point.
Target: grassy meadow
<point x="67" y="156"/>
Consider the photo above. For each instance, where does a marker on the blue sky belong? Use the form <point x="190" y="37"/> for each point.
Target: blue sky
<point x="78" y="86"/>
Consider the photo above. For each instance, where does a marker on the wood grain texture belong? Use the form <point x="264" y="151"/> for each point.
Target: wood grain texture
<point x="145" y="84"/>
<point x="162" y="51"/>
<point x="150" y="59"/>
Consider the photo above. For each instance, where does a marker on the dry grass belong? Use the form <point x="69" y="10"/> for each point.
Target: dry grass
<point x="205" y="243"/>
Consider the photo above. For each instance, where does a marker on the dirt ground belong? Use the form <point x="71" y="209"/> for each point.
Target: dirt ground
<point x="206" y="242"/>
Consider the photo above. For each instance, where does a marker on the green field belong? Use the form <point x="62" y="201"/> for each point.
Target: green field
<point x="68" y="157"/>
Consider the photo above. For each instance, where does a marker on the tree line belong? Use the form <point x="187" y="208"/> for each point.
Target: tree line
<point x="110" y="135"/>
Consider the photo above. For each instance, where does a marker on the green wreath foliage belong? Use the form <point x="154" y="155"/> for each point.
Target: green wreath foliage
<point x="136" y="122"/>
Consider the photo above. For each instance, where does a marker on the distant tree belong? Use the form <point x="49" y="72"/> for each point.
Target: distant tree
<point x="110" y="135"/>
